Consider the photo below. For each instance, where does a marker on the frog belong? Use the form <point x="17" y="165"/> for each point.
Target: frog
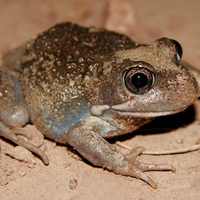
<point x="81" y="86"/>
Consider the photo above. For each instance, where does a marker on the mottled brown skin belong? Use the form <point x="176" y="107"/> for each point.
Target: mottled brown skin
<point x="70" y="82"/>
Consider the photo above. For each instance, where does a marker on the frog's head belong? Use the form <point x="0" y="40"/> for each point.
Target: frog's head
<point x="147" y="81"/>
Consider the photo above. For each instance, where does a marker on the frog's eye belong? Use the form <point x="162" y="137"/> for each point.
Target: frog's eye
<point x="179" y="50"/>
<point x="138" y="80"/>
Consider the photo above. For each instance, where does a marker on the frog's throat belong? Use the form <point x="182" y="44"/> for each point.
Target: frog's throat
<point x="98" y="110"/>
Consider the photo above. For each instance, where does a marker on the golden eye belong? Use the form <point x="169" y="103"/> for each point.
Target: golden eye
<point x="138" y="79"/>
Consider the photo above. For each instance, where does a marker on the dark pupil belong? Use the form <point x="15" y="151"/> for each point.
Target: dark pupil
<point x="139" y="80"/>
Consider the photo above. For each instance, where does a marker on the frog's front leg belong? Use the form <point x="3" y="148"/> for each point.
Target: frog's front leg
<point x="86" y="138"/>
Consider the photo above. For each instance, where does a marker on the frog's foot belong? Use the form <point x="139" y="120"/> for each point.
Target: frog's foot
<point x="101" y="153"/>
<point x="12" y="135"/>
<point x="146" y="167"/>
<point x="135" y="169"/>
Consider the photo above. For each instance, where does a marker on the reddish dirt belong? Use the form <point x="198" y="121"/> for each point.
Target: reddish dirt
<point x="69" y="177"/>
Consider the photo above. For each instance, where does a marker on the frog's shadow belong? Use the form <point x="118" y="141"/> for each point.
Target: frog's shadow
<point x="163" y="124"/>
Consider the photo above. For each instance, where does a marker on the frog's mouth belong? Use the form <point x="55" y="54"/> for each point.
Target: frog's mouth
<point x="147" y="114"/>
<point x="98" y="110"/>
<point x="123" y="110"/>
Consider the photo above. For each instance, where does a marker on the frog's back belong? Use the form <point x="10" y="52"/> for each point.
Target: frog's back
<point x="62" y="73"/>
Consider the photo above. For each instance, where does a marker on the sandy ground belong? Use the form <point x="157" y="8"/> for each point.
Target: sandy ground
<point x="68" y="177"/>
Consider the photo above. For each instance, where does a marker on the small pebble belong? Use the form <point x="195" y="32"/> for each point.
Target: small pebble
<point x="73" y="184"/>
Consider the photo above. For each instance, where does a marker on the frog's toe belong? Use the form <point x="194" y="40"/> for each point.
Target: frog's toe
<point x="22" y="131"/>
<point x="12" y="136"/>
<point x="147" y="179"/>
<point x="33" y="149"/>
<point x="146" y="167"/>
<point x="155" y="167"/>
<point x="134" y="153"/>
<point x="136" y="172"/>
